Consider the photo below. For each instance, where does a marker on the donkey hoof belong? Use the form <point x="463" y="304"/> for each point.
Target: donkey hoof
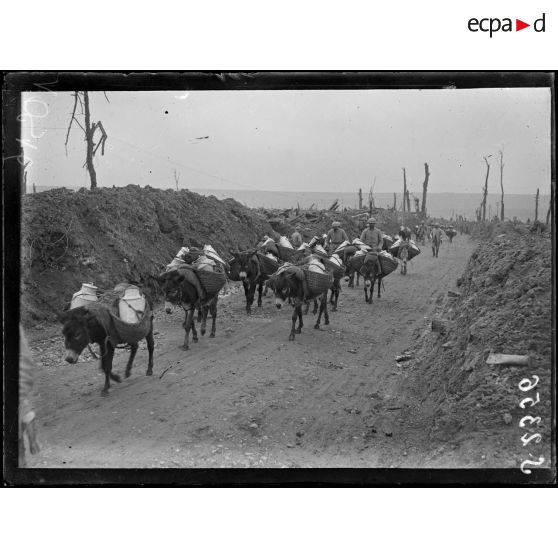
<point x="195" y="340"/>
<point x="115" y="378"/>
<point x="149" y="372"/>
<point x="184" y="347"/>
<point x="203" y="331"/>
<point x="291" y="337"/>
<point x="298" y="330"/>
<point x="334" y="309"/>
<point x="104" y="392"/>
<point x="317" y="326"/>
<point x="211" y="335"/>
<point x="326" y="322"/>
<point x="128" y="373"/>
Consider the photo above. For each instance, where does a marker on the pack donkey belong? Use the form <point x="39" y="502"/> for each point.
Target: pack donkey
<point x="247" y="267"/>
<point x="291" y="285"/>
<point x="181" y="287"/>
<point x="95" y="323"/>
<point x="367" y="266"/>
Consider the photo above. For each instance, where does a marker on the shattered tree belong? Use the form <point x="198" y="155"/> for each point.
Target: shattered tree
<point x="404" y="189"/>
<point x="502" y="185"/>
<point x="485" y="190"/>
<point x="89" y="130"/>
<point x="425" y="189"/>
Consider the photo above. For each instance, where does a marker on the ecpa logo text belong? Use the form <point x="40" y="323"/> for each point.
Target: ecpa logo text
<point x="492" y="25"/>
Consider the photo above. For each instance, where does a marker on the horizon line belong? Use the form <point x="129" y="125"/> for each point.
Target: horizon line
<point x="390" y="192"/>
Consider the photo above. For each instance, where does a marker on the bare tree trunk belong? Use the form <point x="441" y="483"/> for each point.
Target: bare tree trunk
<point x="485" y="191"/>
<point x="502" y="185"/>
<point x="89" y="131"/>
<point x="537" y="206"/>
<point x="394" y="202"/>
<point x="548" y="212"/>
<point x="360" y="198"/>
<point x="404" y="189"/>
<point x="424" y="189"/>
<point x="408" y="202"/>
<point x="176" y="178"/>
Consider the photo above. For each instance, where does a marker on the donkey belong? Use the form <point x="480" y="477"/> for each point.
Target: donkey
<point x="368" y="268"/>
<point x="289" y="285"/>
<point x="179" y="290"/>
<point x="335" y="288"/>
<point x="88" y="324"/>
<point x="245" y="267"/>
<point x="283" y="252"/>
<point x="403" y="255"/>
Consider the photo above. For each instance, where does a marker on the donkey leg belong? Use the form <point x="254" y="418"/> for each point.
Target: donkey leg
<point x="317" y="324"/>
<point x="300" y="324"/>
<point x="247" y="295"/>
<point x="260" y="288"/>
<point x="307" y="307"/>
<point x="326" y="315"/>
<point x="133" y="351"/>
<point x="250" y="298"/>
<point x="187" y="325"/>
<point x="106" y="365"/>
<point x="379" y="285"/>
<point x="293" y="319"/>
<point x="315" y="307"/>
<point x="213" y="308"/>
<point x="204" y="312"/>
<point x="150" y="347"/>
<point x="194" y="330"/>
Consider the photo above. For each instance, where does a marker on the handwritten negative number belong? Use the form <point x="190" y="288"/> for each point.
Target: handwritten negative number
<point x="532" y="420"/>
<point x="526" y="384"/>
<point x="532" y="401"/>
<point x="529" y="462"/>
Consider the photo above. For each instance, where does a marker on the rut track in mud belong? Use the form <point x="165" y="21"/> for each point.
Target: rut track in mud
<point x="249" y="397"/>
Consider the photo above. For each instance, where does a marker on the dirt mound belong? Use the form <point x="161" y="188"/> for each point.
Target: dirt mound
<point x="503" y="306"/>
<point x="109" y="235"/>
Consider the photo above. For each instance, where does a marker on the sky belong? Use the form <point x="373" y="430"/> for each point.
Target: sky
<point x="317" y="141"/>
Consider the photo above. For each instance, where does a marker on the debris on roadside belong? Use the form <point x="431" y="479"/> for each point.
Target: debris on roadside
<point x="407" y="355"/>
<point x="508" y="360"/>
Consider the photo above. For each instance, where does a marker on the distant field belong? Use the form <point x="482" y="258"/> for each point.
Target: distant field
<point x="439" y="205"/>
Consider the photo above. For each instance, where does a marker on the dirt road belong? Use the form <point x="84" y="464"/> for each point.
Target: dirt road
<point x="249" y="397"/>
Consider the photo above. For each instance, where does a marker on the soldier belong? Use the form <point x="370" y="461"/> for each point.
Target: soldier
<point x="436" y="236"/>
<point x="335" y="236"/>
<point x="296" y="238"/>
<point x="374" y="238"/>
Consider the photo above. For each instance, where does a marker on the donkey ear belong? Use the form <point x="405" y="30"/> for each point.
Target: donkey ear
<point x="62" y="317"/>
<point x="232" y="252"/>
